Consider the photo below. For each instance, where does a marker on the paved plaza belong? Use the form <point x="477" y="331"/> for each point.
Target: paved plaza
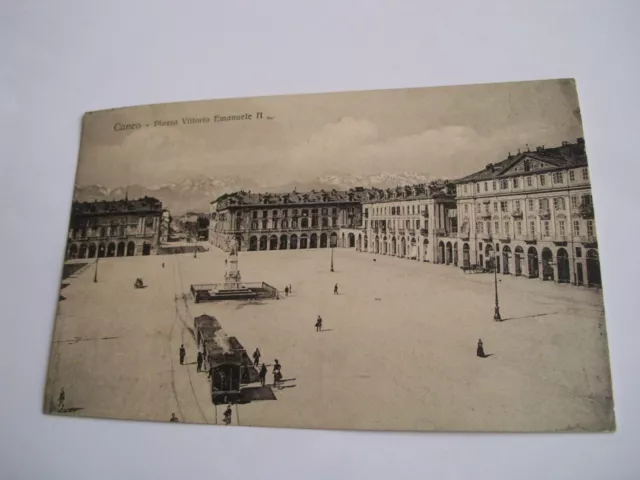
<point x="398" y="350"/>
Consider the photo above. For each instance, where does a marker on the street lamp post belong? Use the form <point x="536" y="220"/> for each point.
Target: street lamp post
<point x="95" y="274"/>
<point x="496" y="313"/>
<point x="332" y="258"/>
<point x="195" y="250"/>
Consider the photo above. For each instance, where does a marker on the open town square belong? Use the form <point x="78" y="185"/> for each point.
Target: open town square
<point x="397" y="348"/>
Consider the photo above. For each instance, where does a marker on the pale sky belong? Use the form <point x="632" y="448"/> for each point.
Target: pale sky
<point x="443" y="132"/>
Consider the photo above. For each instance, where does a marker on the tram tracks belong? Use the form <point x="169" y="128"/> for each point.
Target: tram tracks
<point x="179" y="292"/>
<point x="179" y="297"/>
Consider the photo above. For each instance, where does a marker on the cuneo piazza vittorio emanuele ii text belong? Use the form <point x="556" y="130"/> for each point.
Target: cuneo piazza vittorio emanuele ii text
<point x="529" y="215"/>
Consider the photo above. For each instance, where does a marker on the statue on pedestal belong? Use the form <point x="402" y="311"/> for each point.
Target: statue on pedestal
<point x="232" y="276"/>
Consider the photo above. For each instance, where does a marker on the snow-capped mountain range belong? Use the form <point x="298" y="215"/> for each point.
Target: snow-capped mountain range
<point x="196" y="193"/>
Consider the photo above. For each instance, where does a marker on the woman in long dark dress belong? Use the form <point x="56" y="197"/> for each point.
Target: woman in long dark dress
<point x="480" y="351"/>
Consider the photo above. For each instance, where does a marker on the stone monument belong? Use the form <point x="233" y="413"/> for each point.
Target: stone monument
<point x="232" y="287"/>
<point x="232" y="277"/>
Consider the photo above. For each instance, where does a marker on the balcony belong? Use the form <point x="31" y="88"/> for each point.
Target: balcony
<point x="517" y="214"/>
<point x="411" y="231"/>
<point x="440" y="232"/>
<point x="504" y="238"/>
<point x="485" y="216"/>
<point x="425" y="213"/>
<point x="424" y="232"/>
<point x="585" y="239"/>
<point x="586" y="211"/>
<point x="545" y="214"/>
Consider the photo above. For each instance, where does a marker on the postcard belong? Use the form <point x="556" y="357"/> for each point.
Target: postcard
<point x="417" y="259"/>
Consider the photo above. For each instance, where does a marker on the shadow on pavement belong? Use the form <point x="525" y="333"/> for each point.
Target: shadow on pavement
<point x="252" y="394"/>
<point x="528" y="316"/>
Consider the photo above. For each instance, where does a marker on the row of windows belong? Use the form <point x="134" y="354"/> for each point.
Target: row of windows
<point x="400" y="210"/>
<point x="557" y="178"/>
<point x="304" y="223"/>
<point x="106" y="231"/>
<point x="408" y="224"/>
<point x="559" y="203"/>
<point x="545" y="228"/>
<point x="295" y="212"/>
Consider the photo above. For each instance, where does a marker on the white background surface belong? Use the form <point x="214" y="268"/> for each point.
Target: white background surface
<point x="60" y="59"/>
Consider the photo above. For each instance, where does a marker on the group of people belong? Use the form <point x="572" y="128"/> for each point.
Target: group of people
<point x="277" y="370"/>
<point x="199" y="358"/>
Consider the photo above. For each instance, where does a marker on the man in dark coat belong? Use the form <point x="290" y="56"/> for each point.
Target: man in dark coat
<point x="173" y="418"/>
<point x="480" y="349"/>
<point x="256" y="358"/>
<point x="335" y="289"/>
<point x="319" y="324"/>
<point x="263" y="374"/>
<point x="277" y="374"/>
<point x="199" y="360"/>
<point x="183" y="354"/>
<point x="227" y="415"/>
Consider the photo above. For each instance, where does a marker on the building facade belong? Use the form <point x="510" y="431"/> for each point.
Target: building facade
<point x="530" y="215"/>
<point x="407" y="221"/>
<point x="115" y="228"/>
<point x="288" y="221"/>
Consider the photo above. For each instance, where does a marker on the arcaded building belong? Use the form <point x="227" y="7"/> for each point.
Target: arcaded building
<point x="285" y="221"/>
<point x="535" y="211"/>
<point x="408" y="221"/>
<point x="115" y="228"/>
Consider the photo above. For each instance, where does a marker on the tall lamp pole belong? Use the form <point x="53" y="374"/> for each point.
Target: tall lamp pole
<point x="195" y="250"/>
<point x="332" y="258"/>
<point x="496" y="313"/>
<point x="95" y="274"/>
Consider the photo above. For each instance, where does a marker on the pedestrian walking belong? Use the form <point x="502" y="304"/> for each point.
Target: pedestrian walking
<point x="290" y="289"/>
<point x="227" y="415"/>
<point x="480" y="349"/>
<point x="277" y="373"/>
<point x="183" y="353"/>
<point x="162" y="264"/>
<point x="286" y="291"/>
<point x="335" y="289"/>
<point x="61" y="398"/>
<point x="256" y="358"/>
<point x="263" y="375"/>
<point x="319" y="324"/>
<point x="174" y="418"/>
<point x="199" y="360"/>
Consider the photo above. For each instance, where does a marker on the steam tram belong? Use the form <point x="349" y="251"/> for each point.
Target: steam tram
<point x="226" y="360"/>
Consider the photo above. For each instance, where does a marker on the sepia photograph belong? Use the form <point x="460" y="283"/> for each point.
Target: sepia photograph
<point x="420" y="259"/>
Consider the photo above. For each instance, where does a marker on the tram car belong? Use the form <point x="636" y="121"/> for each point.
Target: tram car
<point x="226" y="371"/>
<point x="229" y="368"/>
<point x="205" y="328"/>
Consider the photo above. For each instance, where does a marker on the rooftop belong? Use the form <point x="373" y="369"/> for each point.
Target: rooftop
<point x="435" y="189"/>
<point x="543" y="158"/>
<point x="242" y="197"/>
<point x="145" y="204"/>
